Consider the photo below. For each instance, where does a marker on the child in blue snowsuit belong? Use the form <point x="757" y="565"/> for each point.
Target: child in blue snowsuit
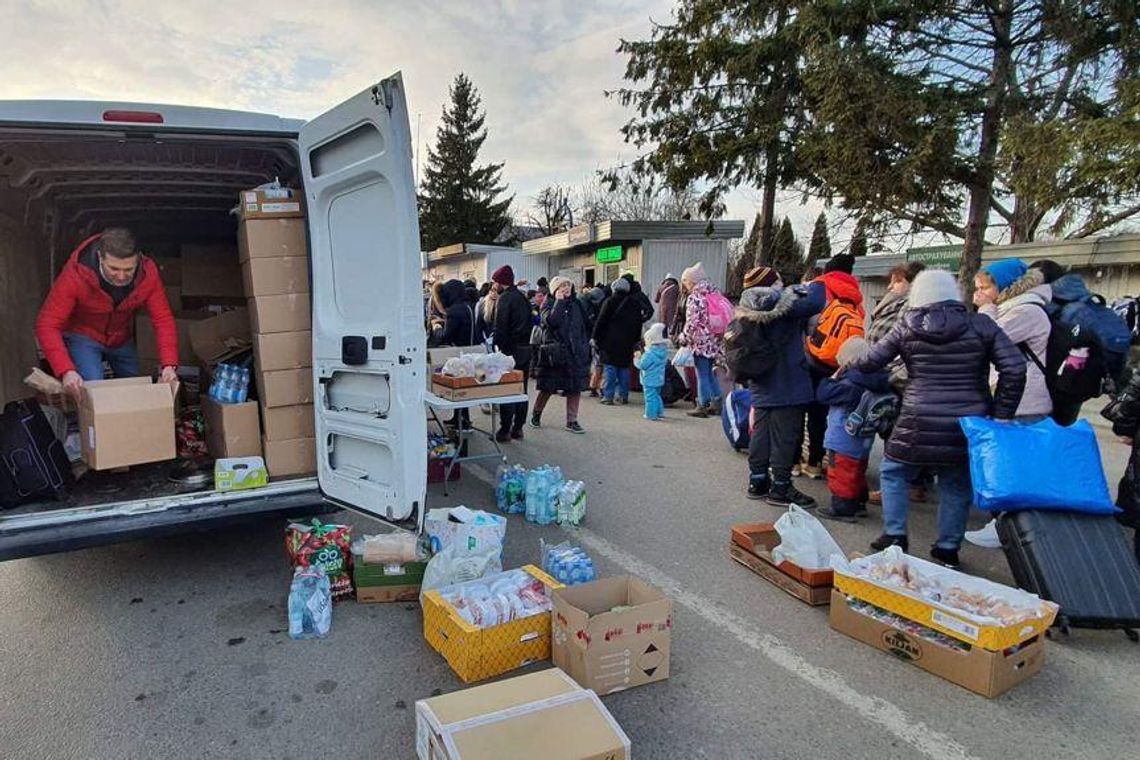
<point x="652" y="365"/>
<point x="847" y="470"/>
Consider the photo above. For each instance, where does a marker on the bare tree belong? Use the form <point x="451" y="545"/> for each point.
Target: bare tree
<point x="629" y="200"/>
<point x="552" y="211"/>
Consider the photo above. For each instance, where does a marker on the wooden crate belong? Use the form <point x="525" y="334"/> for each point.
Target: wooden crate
<point x="761" y="538"/>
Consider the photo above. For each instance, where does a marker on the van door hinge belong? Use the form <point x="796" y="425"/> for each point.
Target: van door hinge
<point x="405" y="359"/>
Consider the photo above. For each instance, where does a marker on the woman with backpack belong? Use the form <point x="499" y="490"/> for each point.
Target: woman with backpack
<point x="703" y="334"/>
<point x="563" y="361"/>
<point x="616" y="334"/>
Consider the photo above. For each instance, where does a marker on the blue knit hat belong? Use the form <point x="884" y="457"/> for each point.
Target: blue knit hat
<point x="1006" y="272"/>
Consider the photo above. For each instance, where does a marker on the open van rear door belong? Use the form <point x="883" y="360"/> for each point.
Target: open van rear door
<point x="368" y="331"/>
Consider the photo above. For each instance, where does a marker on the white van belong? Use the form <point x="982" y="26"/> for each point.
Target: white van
<point x="70" y="168"/>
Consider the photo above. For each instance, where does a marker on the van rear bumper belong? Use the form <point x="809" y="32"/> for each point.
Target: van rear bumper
<point x="200" y="515"/>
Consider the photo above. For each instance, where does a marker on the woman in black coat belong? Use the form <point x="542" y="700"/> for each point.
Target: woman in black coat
<point x="616" y="334"/>
<point x="563" y="362"/>
<point x="459" y="315"/>
<point x="1124" y="414"/>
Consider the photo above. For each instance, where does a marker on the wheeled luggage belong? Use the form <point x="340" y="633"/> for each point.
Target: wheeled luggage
<point x="1081" y="562"/>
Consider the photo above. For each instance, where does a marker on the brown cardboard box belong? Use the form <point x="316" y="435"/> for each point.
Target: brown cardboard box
<point x="270" y="204"/>
<point x="286" y="387"/>
<point x="169" y="269"/>
<point x="231" y="429"/>
<point x="271" y="238"/>
<point x="285" y="422"/>
<point x="610" y="651"/>
<point x="271" y="277"/>
<point x="281" y="313"/>
<point x="127" y="421"/>
<point x="211" y="270"/>
<point x="276" y="351"/>
<point x="147" y="345"/>
<point x="979" y="670"/>
<point x="489" y="391"/>
<point x="538" y="715"/>
<point x="297" y="456"/>
<point x="220" y="334"/>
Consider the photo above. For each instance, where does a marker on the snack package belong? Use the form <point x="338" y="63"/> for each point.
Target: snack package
<point x="327" y="546"/>
<point x="393" y="548"/>
<point x="498" y="599"/>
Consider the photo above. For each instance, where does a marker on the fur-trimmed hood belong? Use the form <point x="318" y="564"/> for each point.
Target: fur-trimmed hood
<point x="765" y="305"/>
<point x="1033" y="281"/>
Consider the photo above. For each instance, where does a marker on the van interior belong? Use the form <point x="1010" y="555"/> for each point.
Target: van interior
<point x="58" y="186"/>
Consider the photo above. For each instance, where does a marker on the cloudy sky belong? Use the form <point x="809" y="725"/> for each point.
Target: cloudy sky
<point x="541" y="67"/>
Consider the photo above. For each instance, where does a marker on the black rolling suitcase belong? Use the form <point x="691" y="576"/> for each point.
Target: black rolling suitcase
<point x="1081" y="562"/>
<point x="33" y="462"/>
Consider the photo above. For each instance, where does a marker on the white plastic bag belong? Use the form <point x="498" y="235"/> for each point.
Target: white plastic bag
<point x="804" y="541"/>
<point x="458" y="564"/>
<point x="684" y="358"/>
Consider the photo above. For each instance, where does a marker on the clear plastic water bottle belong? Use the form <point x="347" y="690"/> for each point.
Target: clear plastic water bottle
<point x="532" y="497"/>
<point x="243" y="393"/>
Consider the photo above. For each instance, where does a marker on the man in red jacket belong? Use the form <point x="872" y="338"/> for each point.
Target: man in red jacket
<point x="89" y="314"/>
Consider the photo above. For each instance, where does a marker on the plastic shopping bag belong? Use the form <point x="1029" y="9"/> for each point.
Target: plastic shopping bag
<point x="1040" y="466"/>
<point x="310" y="603"/>
<point x="804" y="541"/>
<point x="684" y="358"/>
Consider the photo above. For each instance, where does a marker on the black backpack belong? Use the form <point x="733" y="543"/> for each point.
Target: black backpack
<point x="748" y="350"/>
<point x="33" y="462"/>
<point x="1075" y="365"/>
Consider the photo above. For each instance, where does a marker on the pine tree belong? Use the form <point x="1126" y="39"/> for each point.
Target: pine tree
<point x="459" y="201"/>
<point x="820" y="247"/>
<point x="787" y="253"/>
<point x="858" y="246"/>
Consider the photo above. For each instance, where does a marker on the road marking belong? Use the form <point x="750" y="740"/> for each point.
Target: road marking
<point x="886" y="714"/>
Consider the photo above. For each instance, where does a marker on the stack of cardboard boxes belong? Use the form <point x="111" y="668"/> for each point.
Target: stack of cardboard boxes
<point x="273" y="252"/>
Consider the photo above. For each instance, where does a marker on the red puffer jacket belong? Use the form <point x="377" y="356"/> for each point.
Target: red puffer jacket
<point x="78" y="304"/>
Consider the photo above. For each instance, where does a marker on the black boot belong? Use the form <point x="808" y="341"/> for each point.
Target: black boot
<point x="948" y="557"/>
<point x="758" y="487"/>
<point x="785" y="495"/>
<point x="886" y="540"/>
<point x="842" y="510"/>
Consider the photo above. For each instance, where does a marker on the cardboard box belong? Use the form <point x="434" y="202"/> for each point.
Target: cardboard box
<point x="272" y="277"/>
<point x="467" y="393"/>
<point x="539" y="715"/>
<point x="610" y="651"/>
<point x="285" y="422"/>
<point x="763" y="566"/>
<point x="240" y="474"/>
<point x="285" y="387"/>
<point x="289" y="312"/>
<point x="277" y="351"/>
<point x="169" y="269"/>
<point x="977" y="669"/>
<point x="211" y="270"/>
<point x="387" y="583"/>
<point x="147" y="345"/>
<point x="127" y="421"/>
<point x="232" y="430"/>
<point x="219" y="335"/>
<point x="271" y="203"/>
<point x="476" y="654"/>
<point x="752" y="545"/>
<point x="297" y="456"/>
<point x="272" y="238"/>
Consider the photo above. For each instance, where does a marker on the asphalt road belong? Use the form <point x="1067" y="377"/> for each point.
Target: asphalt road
<point x="177" y="647"/>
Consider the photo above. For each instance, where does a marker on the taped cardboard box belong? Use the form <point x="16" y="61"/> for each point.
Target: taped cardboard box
<point x="270" y="203"/>
<point x="287" y="312"/>
<point x="277" y="351"/>
<point x="287" y="387"/>
<point x="272" y="277"/>
<point x="211" y="270"/>
<point x="232" y="430"/>
<point x="297" y="456"/>
<point x="539" y="715"/>
<point x="272" y="238"/>
<point x="972" y="667"/>
<point x="286" y="422"/>
<point x="387" y="582"/>
<point x="220" y="335"/>
<point x="612" y="634"/>
<point x="127" y="421"/>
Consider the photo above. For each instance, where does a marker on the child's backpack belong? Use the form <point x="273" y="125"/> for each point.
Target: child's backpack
<point x="749" y="353"/>
<point x="1087" y="351"/>
<point x="875" y="414"/>
<point x="735" y="416"/>
<point x="720" y="312"/>
<point x="838" y="321"/>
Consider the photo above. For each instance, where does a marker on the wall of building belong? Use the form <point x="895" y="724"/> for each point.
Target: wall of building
<point x="526" y="267"/>
<point x="663" y="257"/>
<point x="578" y="265"/>
<point x="24" y="282"/>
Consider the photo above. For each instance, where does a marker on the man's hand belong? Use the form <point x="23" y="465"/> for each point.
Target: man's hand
<point x="72" y="384"/>
<point x="169" y="375"/>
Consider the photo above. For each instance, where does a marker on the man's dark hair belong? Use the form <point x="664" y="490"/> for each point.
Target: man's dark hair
<point x="1050" y="269"/>
<point x="542" y="282"/>
<point x="118" y="243"/>
<point x="907" y="271"/>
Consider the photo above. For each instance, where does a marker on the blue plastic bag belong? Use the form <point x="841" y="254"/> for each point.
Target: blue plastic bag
<point x="1015" y="467"/>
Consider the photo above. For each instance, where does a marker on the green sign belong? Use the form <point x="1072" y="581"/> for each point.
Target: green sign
<point x="938" y="257"/>
<point x="610" y="255"/>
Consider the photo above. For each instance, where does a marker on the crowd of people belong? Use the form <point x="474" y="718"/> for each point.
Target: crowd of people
<point x="826" y="379"/>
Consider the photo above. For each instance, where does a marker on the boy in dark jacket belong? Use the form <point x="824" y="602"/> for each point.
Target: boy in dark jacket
<point x="779" y="400"/>
<point x="948" y="352"/>
<point x="848" y="454"/>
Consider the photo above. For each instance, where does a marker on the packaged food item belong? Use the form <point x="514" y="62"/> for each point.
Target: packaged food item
<point x="310" y="604"/>
<point x="505" y="597"/>
<point x="327" y="546"/>
<point x="485" y="368"/>
<point x="393" y="548"/>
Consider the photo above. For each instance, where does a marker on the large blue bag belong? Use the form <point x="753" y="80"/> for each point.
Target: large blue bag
<point x="1016" y="467"/>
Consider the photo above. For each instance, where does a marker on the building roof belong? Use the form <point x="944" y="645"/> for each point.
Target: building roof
<point x="615" y="230"/>
<point x="465" y="249"/>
